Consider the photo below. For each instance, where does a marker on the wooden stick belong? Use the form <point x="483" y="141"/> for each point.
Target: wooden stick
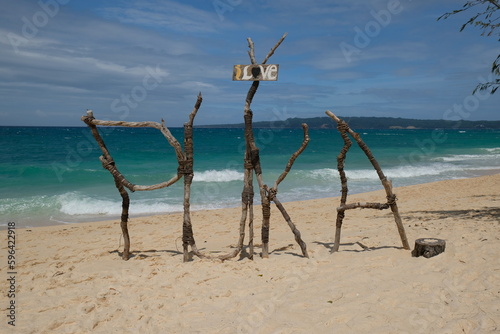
<point x="160" y="126"/>
<point x="111" y="167"/>
<point x="292" y="226"/>
<point x="106" y="159"/>
<point x="378" y="206"/>
<point x="246" y="198"/>
<point x="186" y="169"/>
<point x="271" y="52"/>
<point x="341" y="126"/>
<point x="124" y="220"/>
<point x="294" y="156"/>
<point x="251" y="52"/>
<point x="271" y="192"/>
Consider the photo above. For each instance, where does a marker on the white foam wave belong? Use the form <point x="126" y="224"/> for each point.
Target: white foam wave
<point x="422" y="171"/>
<point x="324" y="174"/>
<point x="434" y="169"/>
<point x="468" y="157"/>
<point x="492" y="150"/>
<point x="76" y="204"/>
<point x="225" y="175"/>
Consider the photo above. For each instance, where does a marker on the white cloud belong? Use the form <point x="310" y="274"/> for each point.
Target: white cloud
<point x="90" y="57"/>
<point x="164" y="15"/>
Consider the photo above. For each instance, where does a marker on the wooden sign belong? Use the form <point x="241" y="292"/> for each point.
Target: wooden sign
<point x="262" y="72"/>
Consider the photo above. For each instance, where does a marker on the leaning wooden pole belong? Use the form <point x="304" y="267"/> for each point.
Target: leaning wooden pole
<point x="251" y="161"/>
<point x="342" y="128"/>
<point x="391" y="197"/>
<point x="124" y="220"/>
<point x="107" y="161"/>
<point x="186" y="169"/>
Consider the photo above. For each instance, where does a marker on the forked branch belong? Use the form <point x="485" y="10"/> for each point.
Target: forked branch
<point x="271" y="197"/>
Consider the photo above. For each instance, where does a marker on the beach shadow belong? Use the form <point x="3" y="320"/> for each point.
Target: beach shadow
<point x="294" y="254"/>
<point x="244" y="254"/>
<point x="142" y="255"/>
<point x="370" y="248"/>
<point x="364" y="248"/>
<point x="327" y="245"/>
<point x="488" y="213"/>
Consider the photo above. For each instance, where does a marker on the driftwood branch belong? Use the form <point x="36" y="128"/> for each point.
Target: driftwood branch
<point x="378" y="206"/>
<point x="185" y="168"/>
<point x="271" y="193"/>
<point x="294" y="156"/>
<point x="108" y="162"/>
<point x="344" y="129"/>
<point x="251" y="52"/>
<point x="124" y="219"/>
<point x="273" y="49"/>
<point x="111" y="167"/>
<point x="292" y="226"/>
<point x="89" y="119"/>
<point x="246" y="212"/>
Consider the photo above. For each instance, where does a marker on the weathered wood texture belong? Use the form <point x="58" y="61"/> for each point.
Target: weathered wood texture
<point x="345" y="131"/>
<point x="259" y="72"/>
<point x="428" y="247"/>
<point x="252" y="166"/>
<point x="185" y="168"/>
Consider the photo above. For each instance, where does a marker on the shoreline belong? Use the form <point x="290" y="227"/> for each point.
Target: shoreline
<point x="132" y="216"/>
<point x="71" y="278"/>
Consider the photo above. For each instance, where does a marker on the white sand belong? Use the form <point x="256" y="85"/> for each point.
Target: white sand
<point x="70" y="279"/>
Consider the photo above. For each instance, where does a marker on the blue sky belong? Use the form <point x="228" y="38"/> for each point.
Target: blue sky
<point x="146" y="60"/>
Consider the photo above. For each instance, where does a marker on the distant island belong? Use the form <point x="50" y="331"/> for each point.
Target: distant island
<point x="368" y="123"/>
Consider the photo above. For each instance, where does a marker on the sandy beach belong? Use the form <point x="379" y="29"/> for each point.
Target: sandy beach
<point x="71" y="279"/>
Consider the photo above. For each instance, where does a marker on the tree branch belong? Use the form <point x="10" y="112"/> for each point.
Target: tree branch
<point x="251" y="52"/>
<point x="274" y="48"/>
<point x="294" y="156"/>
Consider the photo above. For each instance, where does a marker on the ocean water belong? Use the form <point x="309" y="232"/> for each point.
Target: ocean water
<point x="52" y="175"/>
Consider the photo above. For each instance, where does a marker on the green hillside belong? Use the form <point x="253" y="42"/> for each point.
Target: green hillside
<point x="369" y="123"/>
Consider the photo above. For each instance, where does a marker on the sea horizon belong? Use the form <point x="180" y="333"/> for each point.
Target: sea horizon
<point x="52" y="175"/>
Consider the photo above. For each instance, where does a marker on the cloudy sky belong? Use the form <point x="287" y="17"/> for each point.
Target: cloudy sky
<point x="145" y="60"/>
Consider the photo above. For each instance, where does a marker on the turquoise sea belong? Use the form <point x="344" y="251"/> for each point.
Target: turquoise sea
<point x="52" y="175"/>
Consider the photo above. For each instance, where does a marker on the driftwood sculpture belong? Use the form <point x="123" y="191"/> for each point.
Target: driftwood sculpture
<point x="252" y="165"/>
<point x="185" y="169"/>
<point x="344" y="130"/>
<point x="185" y="161"/>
